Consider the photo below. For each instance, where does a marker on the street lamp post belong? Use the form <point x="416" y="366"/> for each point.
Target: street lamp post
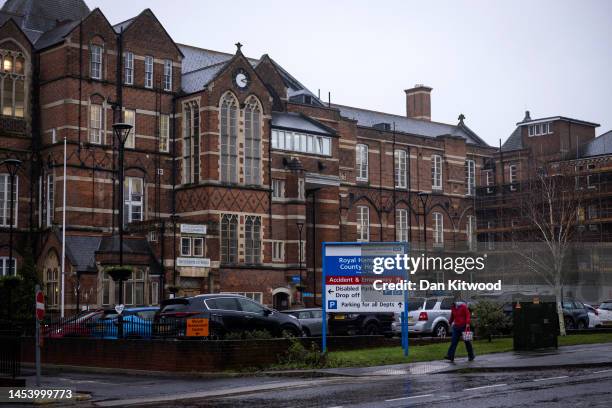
<point x="122" y="131"/>
<point x="300" y="226"/>
<point x="12" y="167"/>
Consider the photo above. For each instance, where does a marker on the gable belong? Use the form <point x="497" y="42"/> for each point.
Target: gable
<point x="146" y="32"/>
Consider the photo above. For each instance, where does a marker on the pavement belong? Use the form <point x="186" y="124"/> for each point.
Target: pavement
<point x="583" y="371"/>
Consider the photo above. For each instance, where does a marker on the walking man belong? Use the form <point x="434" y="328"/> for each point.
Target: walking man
<point x="460" y="322"/>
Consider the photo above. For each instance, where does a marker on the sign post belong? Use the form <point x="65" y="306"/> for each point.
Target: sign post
<point x="348" y="282"/>
<point x="40" y="314"/>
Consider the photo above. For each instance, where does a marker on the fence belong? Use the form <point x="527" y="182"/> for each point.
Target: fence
<point x="10" y="353"/>
<point x="109" y="328"/>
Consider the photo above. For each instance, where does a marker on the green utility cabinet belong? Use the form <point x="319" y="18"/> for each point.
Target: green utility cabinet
<point x="536" y="325"/>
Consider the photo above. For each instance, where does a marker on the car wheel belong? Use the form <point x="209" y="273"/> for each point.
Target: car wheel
<point x="582" y="325"/>
<point x="290" y="331"/>
<point x="440" y="330"/>
<point x="371" y="329"/>
<point x="569" y="323"/>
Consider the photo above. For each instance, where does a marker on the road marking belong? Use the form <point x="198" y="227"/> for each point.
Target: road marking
<point x="405" y="398"/>
<point x="602" y="371"/>
<point x="550" y="378"/>
<point x="485" y="386"/>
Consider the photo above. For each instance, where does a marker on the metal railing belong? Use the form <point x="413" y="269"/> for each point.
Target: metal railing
<point x="133" y="328"/>
<point x="10" y="353"/>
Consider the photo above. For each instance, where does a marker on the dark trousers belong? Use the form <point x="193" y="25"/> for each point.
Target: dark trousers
<point x="457" y="332"/>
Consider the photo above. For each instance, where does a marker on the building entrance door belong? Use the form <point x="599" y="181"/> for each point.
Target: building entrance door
<point x="281" y="301"/>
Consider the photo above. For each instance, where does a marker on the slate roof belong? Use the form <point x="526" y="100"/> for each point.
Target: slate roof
<point x="200" y="66"/>
<point x="514" y="142"/>
<point x="39" y="15"/>
<point x="297" y="121"/>
<point x="55" y="35"/>
<point x="195" y="81"/>
<point x="369" y="118"/>
<point x="31" y="34"/>
<point x="599" y="146"/>
<point x="123" y="25"/>
<point x="81" y="250"/>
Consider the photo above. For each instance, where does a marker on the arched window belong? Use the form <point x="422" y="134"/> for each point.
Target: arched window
<point x="438" y="228"/>
<point x="191" y="142"/>
<point x="252" y="237"/>
<point x="12" y="76"/>
<point x="229" y="238"/>
<point x="363" y="223"/>
<point x="401" y="225"/>
<point x="252" y="141"/>
<point x="229" y="138"/>
<point x="51" y="287"/>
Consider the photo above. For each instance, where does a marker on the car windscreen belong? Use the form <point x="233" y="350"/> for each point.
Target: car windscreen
<point x="606" y="306"/>
<point x="415" y="304"/>
<point x="109" y="316"/>
<point x="430" y="304"/>
<point x="174" y="307"/>
<point x="146" y="314"/>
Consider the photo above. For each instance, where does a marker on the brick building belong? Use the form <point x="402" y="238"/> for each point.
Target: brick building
<point x="235" y="171"/>
<point x="559" y="147"/>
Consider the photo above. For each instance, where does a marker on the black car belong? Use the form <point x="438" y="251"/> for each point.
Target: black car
<point x="227" y="313"/>
<point x="575" y="315"/>
<point x="360" y="323"/>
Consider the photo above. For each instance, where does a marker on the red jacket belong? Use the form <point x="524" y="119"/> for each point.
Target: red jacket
<point x="460" y="315"/>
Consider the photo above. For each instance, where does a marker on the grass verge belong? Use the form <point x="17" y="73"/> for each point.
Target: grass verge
<point x="430" y="352"/>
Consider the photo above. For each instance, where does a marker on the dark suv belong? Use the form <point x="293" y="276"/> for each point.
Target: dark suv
<point x="227" y="313"/>
<point x="575" y="315"/>
<point x="360" y="323"/>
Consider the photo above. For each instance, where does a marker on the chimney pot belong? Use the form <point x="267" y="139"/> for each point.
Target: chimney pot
<point x="418" y="102"/>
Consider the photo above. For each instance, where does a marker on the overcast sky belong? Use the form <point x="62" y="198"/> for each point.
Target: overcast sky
<point x="490" y="60"/>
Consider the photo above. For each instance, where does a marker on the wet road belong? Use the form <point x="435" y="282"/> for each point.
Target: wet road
<point x="542" y="388"/>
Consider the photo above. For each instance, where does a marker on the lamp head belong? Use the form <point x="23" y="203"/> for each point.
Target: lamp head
<point x="12" y="165"/>
<point x="122" y="131"/>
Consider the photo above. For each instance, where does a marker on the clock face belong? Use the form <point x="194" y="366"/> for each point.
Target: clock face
<point x="241" y="79"/>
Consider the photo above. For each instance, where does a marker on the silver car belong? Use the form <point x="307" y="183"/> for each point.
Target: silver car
<point x="427" y="316"/>
<point x="310" y="320"/>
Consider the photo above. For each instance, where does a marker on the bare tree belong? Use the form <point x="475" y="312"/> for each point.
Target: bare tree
<point x="551" y="203"/>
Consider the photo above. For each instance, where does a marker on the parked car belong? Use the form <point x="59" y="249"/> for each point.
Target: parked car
<point x="360" y="323"/>
<point x="228" y="313"/>
<point x="605" y="313"/>
<point x="575" y="315"/>
<point x="76" y="326"/>
<point x="413" y="304"/>
<point x="431" y="317"/>
<point x="137" y="323"/>
<point x="594" y="320"/>
<point x="310" y="319"/>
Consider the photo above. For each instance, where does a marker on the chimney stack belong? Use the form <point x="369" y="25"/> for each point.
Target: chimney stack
<point x="418" y="102"/>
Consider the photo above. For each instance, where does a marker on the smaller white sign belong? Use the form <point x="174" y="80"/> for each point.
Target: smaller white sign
<point x="193" y="262"/>
<point x="119" y="309"/>
<point x="193" y="229"/>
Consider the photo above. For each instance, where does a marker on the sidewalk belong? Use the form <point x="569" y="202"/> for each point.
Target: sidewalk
<point x="568" y="356"/>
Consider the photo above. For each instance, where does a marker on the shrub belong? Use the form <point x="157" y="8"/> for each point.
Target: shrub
<point x="490" y="318"/>
<point x="299" y="356"/>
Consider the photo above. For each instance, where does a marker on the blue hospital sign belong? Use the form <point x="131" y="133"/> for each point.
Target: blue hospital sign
<point x="348" y="277"/>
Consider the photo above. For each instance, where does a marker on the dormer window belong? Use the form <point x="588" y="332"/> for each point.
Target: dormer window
<point x="540" y="129"/>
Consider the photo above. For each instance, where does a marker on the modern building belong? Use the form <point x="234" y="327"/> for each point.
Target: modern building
<point x="235" y="172"/>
